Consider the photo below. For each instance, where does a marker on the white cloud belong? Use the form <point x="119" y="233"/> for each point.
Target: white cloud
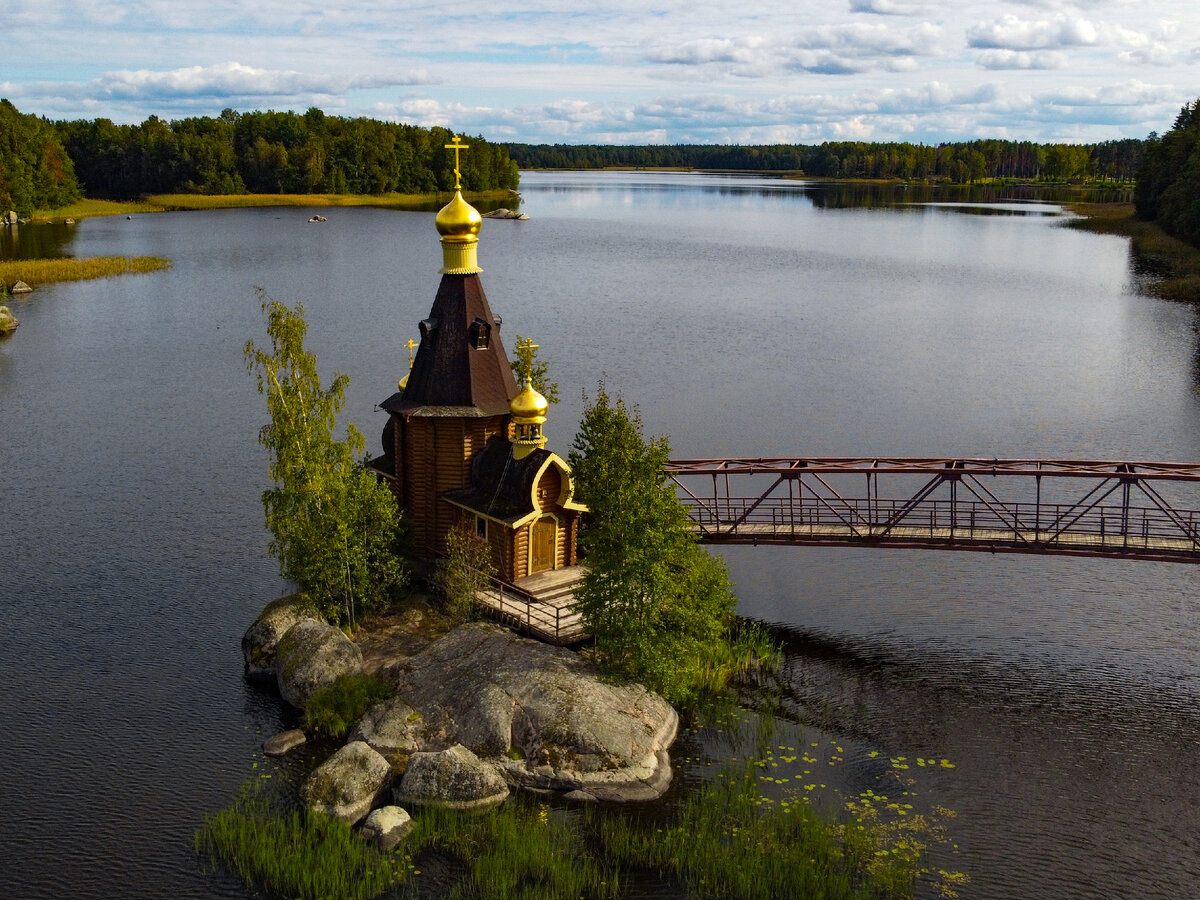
<point x="1021" y="59"/>
<point x="1012" y="33"/>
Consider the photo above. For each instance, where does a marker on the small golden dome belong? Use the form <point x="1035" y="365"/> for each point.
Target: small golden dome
<point x="529" y="407"/>
<point x="459" y="221"/>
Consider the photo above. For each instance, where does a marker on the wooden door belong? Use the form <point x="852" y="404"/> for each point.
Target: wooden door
<point x="543" y="540"/>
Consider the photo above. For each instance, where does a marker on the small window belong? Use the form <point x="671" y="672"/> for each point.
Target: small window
<point x="481" y="334"/>
<point x="481" y="527"/>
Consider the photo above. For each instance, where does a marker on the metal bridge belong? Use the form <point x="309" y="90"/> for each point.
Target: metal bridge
<point x="1136" y="510"/>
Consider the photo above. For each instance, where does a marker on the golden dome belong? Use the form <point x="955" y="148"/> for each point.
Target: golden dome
<point x="529" y="407"/>
<point x="459" y="221"/>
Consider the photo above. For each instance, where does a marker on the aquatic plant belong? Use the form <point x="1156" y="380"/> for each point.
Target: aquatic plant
<point x="296" y="855"/>
<point x="334" y="709"/>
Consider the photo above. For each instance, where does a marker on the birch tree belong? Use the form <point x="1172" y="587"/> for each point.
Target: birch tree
<point x="336" y="529"/>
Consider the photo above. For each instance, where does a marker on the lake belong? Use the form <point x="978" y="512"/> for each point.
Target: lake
<point x="743" y="316"/>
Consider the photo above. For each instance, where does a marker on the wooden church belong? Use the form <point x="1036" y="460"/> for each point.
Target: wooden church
<point x="463" y="444"/>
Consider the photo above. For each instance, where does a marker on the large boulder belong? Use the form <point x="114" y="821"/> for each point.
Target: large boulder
<point x="312" y="655"/>
<point x="454" y="778"/>
<point x="348" y="784"/>
<point x="541" y="713"/>
<point x="395" y="730"/>
<point x="8" y="322"/>
<point x="261" y="639"/>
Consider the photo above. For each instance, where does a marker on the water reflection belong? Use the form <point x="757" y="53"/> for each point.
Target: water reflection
<point x="43" y="241"/>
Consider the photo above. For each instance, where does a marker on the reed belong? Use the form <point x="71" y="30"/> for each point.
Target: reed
<point x="517" y="850"/>
<point x="84" y="209"/>
<point x="48" y="271"/>
<point x="296" y="855"/>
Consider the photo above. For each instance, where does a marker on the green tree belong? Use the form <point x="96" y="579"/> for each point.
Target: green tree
<point x="466" y="570"/>
<point x="658" y="606"/>
<point x="336" y="529"/>
<point x="527" y="365"/>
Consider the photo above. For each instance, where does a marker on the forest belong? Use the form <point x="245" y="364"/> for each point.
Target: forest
<point x="1168" y="188"/>
<point x="955" y="162"/>
<point x="45" y="165"/>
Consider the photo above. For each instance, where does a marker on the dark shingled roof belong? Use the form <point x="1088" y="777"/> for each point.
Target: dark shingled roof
<point x="450" y="376"/>
<point x="501" y="486"/>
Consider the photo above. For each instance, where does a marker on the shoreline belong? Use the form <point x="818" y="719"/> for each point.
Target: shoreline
<point x="154" y="203"/>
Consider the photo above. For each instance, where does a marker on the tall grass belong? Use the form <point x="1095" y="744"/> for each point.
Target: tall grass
<point x="46" y="271"/>
<point x="298" y="855"/>
<point x="516" y="851"/>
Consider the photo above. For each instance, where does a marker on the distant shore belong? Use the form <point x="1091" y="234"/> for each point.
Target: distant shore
<point x="1173" y="265"/>
<point x="178" y="202"/>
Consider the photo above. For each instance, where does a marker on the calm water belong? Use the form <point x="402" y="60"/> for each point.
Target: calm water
<point x="744" y="317"/>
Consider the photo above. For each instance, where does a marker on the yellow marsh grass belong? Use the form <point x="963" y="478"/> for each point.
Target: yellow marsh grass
<point x="45" y="271"/>
<point x="224" y="201"/>
<point x="173" y="202"/>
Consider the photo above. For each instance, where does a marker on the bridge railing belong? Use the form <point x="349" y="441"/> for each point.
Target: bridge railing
<point x="1111" y="526"/>
<point x="1148" y="510"/>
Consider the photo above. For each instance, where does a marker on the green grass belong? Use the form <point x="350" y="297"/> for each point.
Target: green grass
<point x="46" y="271"/>
<point x="334" y="709"/>
<point x="298" y="855"/>
<point x="1174" y="265"/>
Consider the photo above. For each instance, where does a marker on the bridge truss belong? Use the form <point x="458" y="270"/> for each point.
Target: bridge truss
<point x="1141" y="510"/>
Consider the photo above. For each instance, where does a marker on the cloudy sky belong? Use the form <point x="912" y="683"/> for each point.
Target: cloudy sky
<point x="624" y="71"/>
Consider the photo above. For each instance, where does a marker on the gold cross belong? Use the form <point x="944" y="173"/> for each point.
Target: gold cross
<point x="457" y="146"/>
<point x="527" y="344"/>
<point x="411" y="345"/>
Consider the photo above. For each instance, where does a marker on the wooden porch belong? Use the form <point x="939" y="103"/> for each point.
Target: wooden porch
<point x="540" y="605"/>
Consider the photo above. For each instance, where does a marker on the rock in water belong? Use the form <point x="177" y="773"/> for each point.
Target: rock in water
<point x="348" y="784"/>
<point x="261" y="639"/>
<point x="312" y="655"/>
<point x="386" y="826"/>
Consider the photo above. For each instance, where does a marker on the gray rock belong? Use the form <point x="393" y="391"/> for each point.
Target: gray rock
<point x="395" y="730"/>
<point x="311" y="655"/>
<point x="284" y="742"/>
<point x="348" y="784"/>
<point x="503" y="213"/>
<point x="20" y="287"/>
<point x="9" y="218"/>
<point x="8" y="322"/>
<point x="541" y="713"/>
<point x="261" y="639"/>
<point x="386" y="826"/>
<point x="454" y="778"/>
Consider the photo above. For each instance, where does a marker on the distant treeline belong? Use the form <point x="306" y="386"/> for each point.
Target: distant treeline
<point x="275" y="153"/>
<point x="957" y="162"/>
<point x="48" y="164"/>
<point x="1168" y="188"/>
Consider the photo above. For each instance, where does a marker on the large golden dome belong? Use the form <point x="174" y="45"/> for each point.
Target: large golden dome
<point x="459" y="221"/>
<point x="529" y="407"/>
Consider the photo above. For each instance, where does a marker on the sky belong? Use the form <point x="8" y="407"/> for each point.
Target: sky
<point x="625" y="71"/>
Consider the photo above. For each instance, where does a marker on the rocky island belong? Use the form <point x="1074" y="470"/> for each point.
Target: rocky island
<point x="477" y="712"/>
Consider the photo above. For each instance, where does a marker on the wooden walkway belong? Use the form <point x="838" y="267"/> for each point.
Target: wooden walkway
<point x="1134" y="510"/>
<point x="541" y="605"/>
